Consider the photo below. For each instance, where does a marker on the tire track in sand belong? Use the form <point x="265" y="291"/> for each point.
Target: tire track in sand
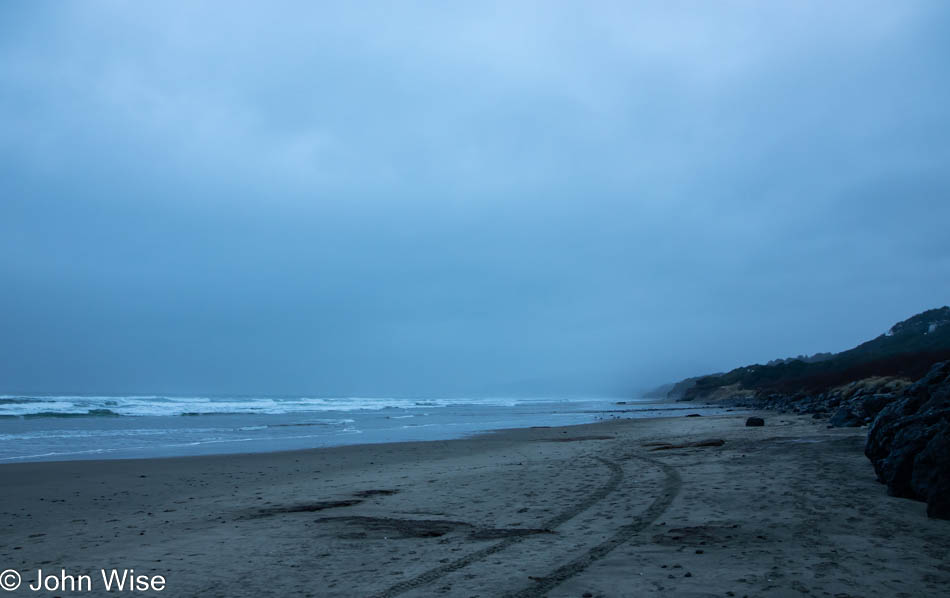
<point x="671" y="487"/>
<point x="616" y="476"/>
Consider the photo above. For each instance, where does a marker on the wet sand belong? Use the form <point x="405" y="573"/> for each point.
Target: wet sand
<point x="789" y="509"/>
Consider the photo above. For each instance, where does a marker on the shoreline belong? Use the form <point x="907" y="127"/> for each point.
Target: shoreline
<point x="29" y="439"/>
<point x="791" y="508"/>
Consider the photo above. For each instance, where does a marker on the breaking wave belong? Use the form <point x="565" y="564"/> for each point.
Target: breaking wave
<point x="70" y="406"/>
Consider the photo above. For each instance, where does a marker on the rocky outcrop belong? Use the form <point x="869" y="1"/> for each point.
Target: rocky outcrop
<point x="859" y="402"/>
<point x="853" y="404"/>
<point x="909" y="442"/>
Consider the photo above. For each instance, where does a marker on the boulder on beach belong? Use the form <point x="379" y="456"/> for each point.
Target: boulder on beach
<point x="755" y="422"/>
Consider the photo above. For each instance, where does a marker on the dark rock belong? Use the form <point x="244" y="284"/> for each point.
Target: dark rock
<point x="845" y="417"/>
<point x="932" y="472"/>
<point x="755" y="421"/>
<point x="874" y="404"/>
<point x="909" y="442"/>
<point x="861" y="409"/>
<point x="694" y="415"/>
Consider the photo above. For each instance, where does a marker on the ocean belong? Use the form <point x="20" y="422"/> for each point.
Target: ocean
<point x="59" y="427"/>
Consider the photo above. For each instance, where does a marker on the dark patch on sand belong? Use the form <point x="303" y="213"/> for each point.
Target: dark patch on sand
<point x="359" y="527"/>
<point x="369" y="493"/>
<point x="510" y="532"/>
<point x="699" y="535"/>
<point x="578" y="438"/>
<point x="309" y="507"/>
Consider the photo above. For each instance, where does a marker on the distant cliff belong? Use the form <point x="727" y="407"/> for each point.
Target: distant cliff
<point x="906" y="351"/>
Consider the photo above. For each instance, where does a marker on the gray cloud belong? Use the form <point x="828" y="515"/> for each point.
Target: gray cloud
<point x="541" y="198"/>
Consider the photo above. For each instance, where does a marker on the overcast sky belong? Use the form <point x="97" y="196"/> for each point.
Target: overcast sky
<point x="462" y="198"/>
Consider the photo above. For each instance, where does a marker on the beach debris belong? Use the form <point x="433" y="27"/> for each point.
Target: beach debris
<point x="754" y="422"/>
<point x="693" y="415"/>
<point x="665" y="446"/>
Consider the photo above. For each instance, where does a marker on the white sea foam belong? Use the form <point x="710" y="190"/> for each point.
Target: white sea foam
<point x="157" y="405"/>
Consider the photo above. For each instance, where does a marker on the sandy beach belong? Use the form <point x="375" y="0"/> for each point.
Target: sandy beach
<point x="788" y="509"/>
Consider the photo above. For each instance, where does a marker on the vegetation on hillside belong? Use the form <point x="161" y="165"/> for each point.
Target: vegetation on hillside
<point x="907" y="350"/>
